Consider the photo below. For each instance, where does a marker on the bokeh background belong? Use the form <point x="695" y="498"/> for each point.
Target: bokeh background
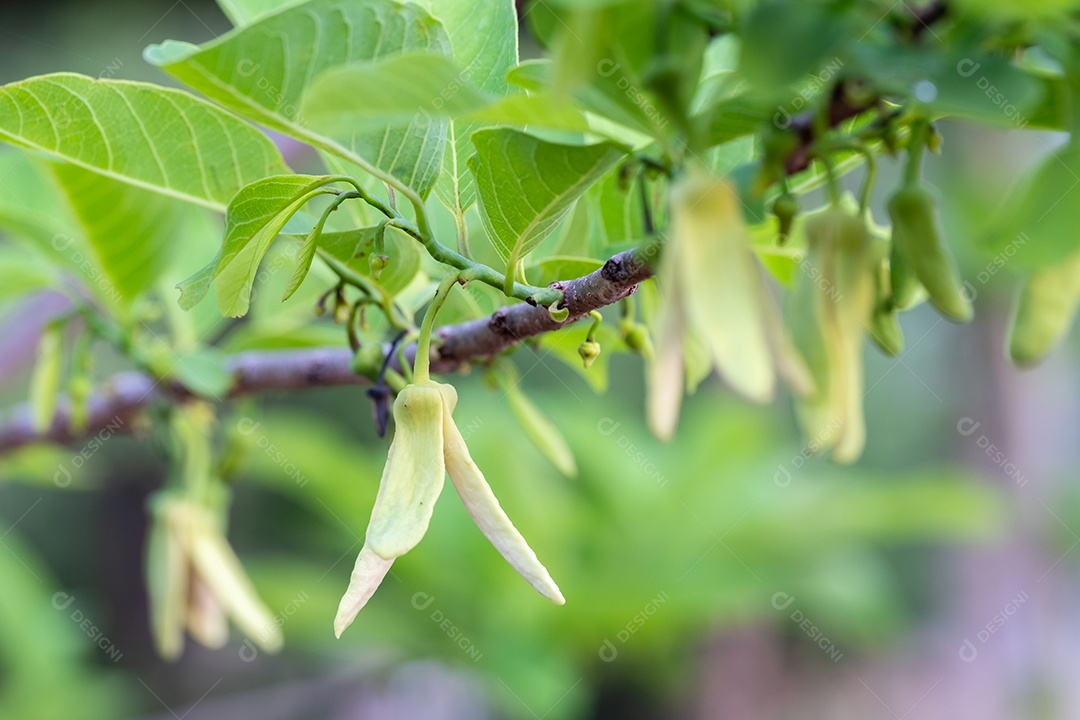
<point x="726" y="575"/>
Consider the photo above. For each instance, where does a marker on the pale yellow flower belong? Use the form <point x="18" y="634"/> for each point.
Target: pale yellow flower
<point x="196" y="582"/>
<point x="427" y="445"/>
<point x="714" y="296"/>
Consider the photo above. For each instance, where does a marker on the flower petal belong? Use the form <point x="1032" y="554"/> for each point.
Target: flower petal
<point x="718" y="278"/>
<point x="218" y="566"/>
<point x="367" y="574"/>
<point x="167" y="573"/>
<point x="486" y="512"/>
<point x="206" y="620"/>
<point x="665" y="378"/>
<point x="413" y="476"/>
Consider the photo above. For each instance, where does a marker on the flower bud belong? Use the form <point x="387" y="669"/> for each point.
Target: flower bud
<point x="637" y="339"/>
<point x="918" y="241"/>
<point x="377" y="262"/>
<point x="589" y="350"/>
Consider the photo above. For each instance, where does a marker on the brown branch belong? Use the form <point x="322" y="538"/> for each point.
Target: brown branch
<point x="127" y="394"/>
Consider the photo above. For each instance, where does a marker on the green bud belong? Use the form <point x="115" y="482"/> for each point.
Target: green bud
<point x="785" y="208"/>
<point x="905" y="290"/>
<point x="368" y="360"/>
<point x="637" y="339"/>
<point x="377" y="263"/>
<point x="589" y="350"/>
<point x="341" y="312"/>
<point x="1044" y="311"/>
<point x="918" y="244"/>
<point x="886" y="332"/>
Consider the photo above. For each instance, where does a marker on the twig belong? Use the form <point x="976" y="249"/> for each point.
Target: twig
<point x="126" y="394"/>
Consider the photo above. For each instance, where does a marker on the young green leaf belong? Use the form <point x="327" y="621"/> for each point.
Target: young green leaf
<point x="237" y="71"/>
<point x="161" y="139"/>
<point x="254" y="218"/>
<point x="526" y="185"/>
<point x="561" y="267"/>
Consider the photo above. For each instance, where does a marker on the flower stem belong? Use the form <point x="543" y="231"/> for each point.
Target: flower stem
<point x="916" y="143"/>
<point x="423" y="343"/>
<point x="447" y="256"/>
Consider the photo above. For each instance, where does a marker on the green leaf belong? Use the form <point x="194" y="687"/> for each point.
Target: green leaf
<point x="391" y="91"/>
<point x="620" y="212"/>
<point x="253" y="219"/>
<point x="527" y="185"/>
<point x="612" y="94"/>
<point x="28" y="207"/>
<point x="131" y="229"/>
<point x="256" y="216"/>
<point x="786" y="40"/>
<point x="304" y="257"/>
<point x="561" y="267"/>
<point x="21" y="273"/>
<point x="718" y="77"/>
<point x="986" y="88"/>
<point x="541" y="110"/>
<point x="737" y="117"/>
<point x="262" y="71"/>
<point x="45" y="382"/>
<point x="579" y="234"/>
<point x="163" y="140"/>
<point x="245" y="12"/>
<point x="484" y="35"/>
<point x="194" y="289"/>
<point x="33" y="211"/>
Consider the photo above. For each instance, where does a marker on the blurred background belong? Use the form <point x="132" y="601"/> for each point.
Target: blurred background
<point x="726" y="575"/>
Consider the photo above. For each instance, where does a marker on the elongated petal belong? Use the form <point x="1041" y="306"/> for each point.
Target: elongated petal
<point x="664" y="375"/>
<point x="218" y="566"/>
<point x="166" y="578"/>
<point x="488" y="514"/>
<point x="206" y="620"/>
<point x="720" y="282"/>
<point x="413" y="476"/>
<point x="789" y="363"/>
<point x="855" y="270"/>
<point x="367" y="575"/>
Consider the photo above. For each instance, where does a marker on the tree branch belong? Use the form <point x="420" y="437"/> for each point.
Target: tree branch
<point x="127" y="394"/>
